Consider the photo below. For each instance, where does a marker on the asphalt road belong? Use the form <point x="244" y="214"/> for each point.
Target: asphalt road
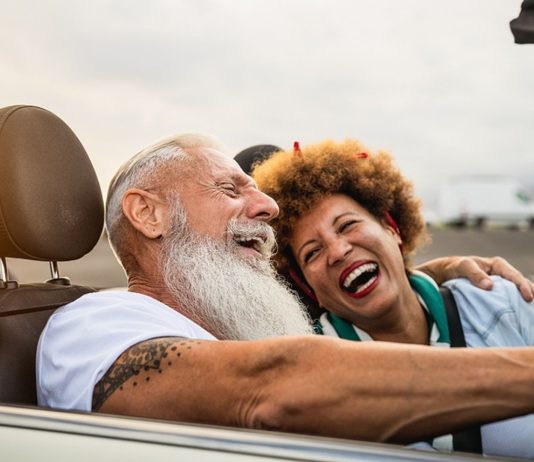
<point x="100" y="269"/>
<point x="517" y="246"/>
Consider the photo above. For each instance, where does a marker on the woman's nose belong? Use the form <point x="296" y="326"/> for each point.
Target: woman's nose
<point x="338" y="249"/>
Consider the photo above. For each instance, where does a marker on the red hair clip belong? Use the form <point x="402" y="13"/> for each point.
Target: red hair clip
<point x="296" y="148"/>
<point x="362" y="155"/>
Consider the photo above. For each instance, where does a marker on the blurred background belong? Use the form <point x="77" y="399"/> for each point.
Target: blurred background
<point x="441" y="85"/>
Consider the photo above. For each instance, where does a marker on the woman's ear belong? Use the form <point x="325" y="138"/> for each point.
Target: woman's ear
<point x="145" y="212"/>
<point x="394" y="233"/>
<point x="392" y="227"/>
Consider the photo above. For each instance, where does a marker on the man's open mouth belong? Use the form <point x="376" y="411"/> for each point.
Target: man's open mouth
<point x="255" y="239"/>
<point x="360" y="279"/>
<point x="255" y="243"/>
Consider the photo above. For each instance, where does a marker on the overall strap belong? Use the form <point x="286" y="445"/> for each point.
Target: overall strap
<point x="453" y="318"/>
<point x="470" y="439"/>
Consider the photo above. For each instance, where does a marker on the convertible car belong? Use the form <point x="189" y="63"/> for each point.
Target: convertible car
<point x="51" y="210"/>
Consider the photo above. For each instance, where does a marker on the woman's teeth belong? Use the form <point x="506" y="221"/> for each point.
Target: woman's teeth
<point x="361" y="278"/>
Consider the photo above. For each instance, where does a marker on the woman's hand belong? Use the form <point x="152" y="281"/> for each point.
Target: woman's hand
<point x="477" y="270"/>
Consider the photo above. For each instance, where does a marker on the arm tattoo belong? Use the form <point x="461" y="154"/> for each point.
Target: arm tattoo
<point x="147" y="357"/>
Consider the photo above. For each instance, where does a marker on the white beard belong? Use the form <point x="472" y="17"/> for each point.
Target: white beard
<point x="234" y="298"/>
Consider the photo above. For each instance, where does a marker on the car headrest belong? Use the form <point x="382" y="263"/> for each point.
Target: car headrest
<point x="51" y="205"/>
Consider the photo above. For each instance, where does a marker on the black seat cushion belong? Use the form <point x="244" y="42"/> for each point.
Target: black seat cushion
<point x="24" y="312"/>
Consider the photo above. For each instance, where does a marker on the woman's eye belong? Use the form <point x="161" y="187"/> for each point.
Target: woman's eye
<point x="346" y="225"/>
<point x="309" y="255"/>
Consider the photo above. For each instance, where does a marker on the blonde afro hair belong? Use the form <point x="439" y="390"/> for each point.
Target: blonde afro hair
<point x="299" y="180"/>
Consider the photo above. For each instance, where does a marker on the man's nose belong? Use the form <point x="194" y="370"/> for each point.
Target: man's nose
<point x="338" y="249"/>
<point x="262" y="207"/>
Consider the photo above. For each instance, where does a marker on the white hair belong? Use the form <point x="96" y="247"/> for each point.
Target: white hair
<point x="141" y="169"/>
<point x="215" y="286"/>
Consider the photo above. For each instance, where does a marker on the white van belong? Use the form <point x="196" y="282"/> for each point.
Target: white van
<point x="482" y="200"/>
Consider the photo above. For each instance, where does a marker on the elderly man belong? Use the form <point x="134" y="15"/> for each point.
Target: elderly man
<point x="190" y="229"/>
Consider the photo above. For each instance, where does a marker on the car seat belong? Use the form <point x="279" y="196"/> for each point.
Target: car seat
<point x="51" y="209"/>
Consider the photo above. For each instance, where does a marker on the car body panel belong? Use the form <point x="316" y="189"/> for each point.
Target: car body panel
<point x="30" y="433"/>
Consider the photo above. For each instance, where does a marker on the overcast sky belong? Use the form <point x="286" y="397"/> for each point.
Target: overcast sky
<point x="440" y="84"/>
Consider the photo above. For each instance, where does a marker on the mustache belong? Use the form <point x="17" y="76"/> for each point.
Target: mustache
<point x="257" y="234"/>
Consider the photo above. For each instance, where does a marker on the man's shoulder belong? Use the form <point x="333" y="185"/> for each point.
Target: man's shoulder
<point x="107" y="310"/>
<point x="105" y="296"/>
<point x="110" y="300"/>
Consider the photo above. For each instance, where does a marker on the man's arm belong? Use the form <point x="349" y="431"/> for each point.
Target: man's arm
<point x="477" y="270"/>
<point x="371" y="391"/>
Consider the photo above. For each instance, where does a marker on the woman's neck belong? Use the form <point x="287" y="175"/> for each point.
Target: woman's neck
<point x="406" y="322"/>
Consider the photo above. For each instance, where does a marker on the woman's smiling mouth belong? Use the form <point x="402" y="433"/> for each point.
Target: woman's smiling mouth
<point x="360" y="278"/>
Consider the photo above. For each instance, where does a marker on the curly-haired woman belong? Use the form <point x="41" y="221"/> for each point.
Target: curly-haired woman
<point x="348" y="224"/>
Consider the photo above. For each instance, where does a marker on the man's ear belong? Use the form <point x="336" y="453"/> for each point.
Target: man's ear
<point x="145" y="212"/>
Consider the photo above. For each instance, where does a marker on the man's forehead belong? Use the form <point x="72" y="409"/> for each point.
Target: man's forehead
<point x="214" y="163"/>
<point x="211" y="157"/>
<point x="208" y="163"/>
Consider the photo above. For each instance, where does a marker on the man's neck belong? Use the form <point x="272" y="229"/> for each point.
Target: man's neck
<point x="161" y="293"/>
<point x="154" y="289"/>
